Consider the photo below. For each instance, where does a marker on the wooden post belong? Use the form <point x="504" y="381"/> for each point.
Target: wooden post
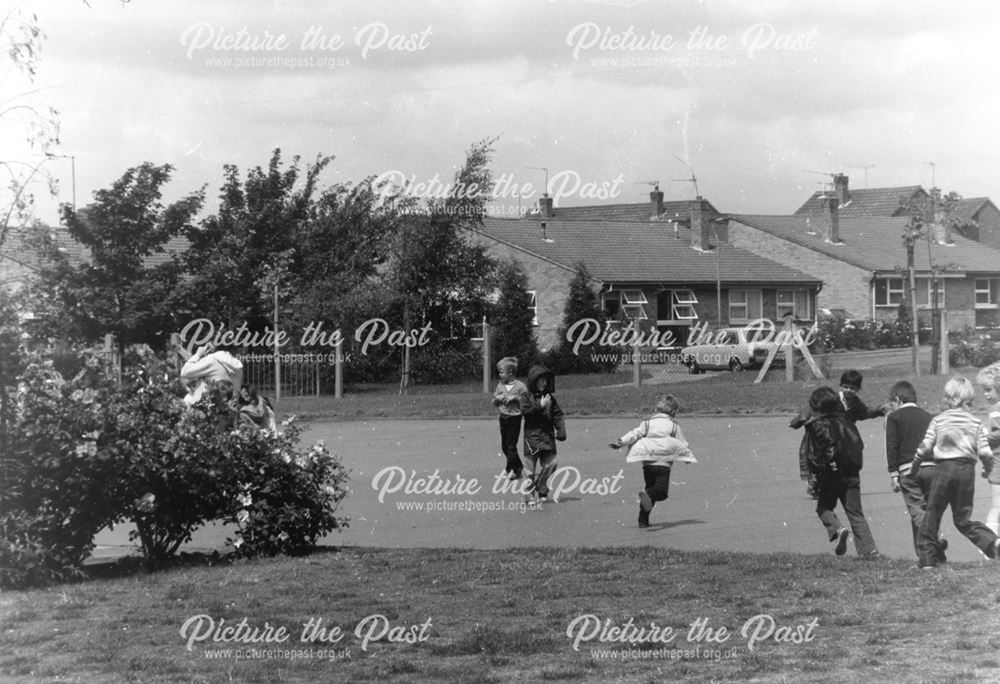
<point x="636" y="364"/>
<point x="277" y="347"/>
<point x="789" y="352"/>
<point x="487" y="368"/>
<point x="944" y="342"/>
<point x="338" y="371"/>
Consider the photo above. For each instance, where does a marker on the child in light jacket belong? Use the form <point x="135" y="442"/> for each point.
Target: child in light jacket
<point x="656" y="443"/>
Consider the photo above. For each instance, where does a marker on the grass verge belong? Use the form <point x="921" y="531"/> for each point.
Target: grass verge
<point x="721" y="393"/>
<point x="498" y="616"/>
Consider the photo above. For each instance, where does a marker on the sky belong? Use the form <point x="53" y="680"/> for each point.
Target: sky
<point x="758" y="101"/>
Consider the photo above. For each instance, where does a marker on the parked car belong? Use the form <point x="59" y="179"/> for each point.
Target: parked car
<point x="732" y="348"/>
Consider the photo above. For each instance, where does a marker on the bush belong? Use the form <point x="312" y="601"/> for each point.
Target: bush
<point x="59" y="488"/>
<point x="86" y="453"/>
<point x="838" y="332"/>
<point x="289" y="497"/>
<point x="972" y="348"/>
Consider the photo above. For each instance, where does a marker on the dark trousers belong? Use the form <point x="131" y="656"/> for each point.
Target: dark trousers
<point x="656" y="479"/>
<point x="915" y="490"/>
<point x="846" y="489"/>
<point x="510" y="435"/>
<point x="953" y="485"/>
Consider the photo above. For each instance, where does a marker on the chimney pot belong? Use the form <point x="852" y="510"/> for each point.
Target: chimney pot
<point x="840" y="188"/>
<point x="656" y="202"/>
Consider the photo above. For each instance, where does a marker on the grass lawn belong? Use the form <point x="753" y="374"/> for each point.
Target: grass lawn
<point x="515" y="615"/>
<point x="722" y="393"/>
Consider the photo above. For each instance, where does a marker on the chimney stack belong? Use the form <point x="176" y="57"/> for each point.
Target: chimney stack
<point x="831" y="220"/>
<point x="656" y="202"/>
<point x="840" y="189"/>
<point x="941" y="229"/>
<point x="701" y="225"/>
<point x="545" y="206"/>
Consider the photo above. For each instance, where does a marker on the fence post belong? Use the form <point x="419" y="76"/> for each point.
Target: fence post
<point x="944" y="342"/>
<point x="789" y="351"/>
<point x="487" y="375"/>
<point x="636" y="364"/>
<point x="338" y="371"/>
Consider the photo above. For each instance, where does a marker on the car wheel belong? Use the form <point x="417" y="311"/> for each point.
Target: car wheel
<point x="736" y="365"/>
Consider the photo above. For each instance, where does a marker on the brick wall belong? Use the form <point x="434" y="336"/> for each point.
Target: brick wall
<point x="844" y="286"/>
<point x="549" y="281"/>
<point x="989" y="226"/>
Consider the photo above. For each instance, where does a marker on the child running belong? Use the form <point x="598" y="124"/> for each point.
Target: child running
<point x="510" y="397"/>
<point x="836" y="455"/>
<point x="656" y="443"/>
<point x="989" y="381"/>
<point x="543" y="427"/>
<point x="954" y="440"/>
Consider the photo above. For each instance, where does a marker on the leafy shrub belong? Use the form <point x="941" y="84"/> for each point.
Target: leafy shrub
<point x="838" y="332"/>
<point x="449" y="361"/>
<point x="26" y="559"/>
<point x="86" y="453"/>
<point x="288" y="497"/>
<point x="55" y="475"/>
<point x="972" y="348"/>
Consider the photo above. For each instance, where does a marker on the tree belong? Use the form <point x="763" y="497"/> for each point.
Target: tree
<point x="118" y="291"/>
<point x="21" y="39"/>
<point x="440" y="278"/>
<point x="233" y="251"/>
<point x="582" y="304"/>
<point x="512" y="318"/>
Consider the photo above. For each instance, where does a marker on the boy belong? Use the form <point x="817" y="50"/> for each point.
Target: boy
<point x="989" y="381"/>
<point x="543" y="427"/>
<point x="854" y="408"/>
<point x="953" y="440"/>
<point x="835" y="457"/>
<point x="510" y="397"/>
<point x="656" y="443"/>
<point x="905" y="427"/>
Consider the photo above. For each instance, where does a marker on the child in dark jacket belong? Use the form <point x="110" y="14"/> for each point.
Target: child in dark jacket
<point x="836" y="454"/>
<point x="543" y="427"/>
<point x="853" y="409"/>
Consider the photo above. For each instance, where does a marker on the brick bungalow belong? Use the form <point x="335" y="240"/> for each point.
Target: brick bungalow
<point x="979" y="213"/>
<point x="659" y="273"/>
<point x="862" y="263"/>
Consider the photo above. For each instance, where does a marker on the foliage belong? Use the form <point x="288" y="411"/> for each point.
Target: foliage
<point x="581" y="304"/>
<point x="288" y="497"/>
<point x="838" y="332"/>
<point x="973" y="348"/>
<point x="513" y="332"/>
<point x="56" y="470"/>
<point x="20" y="50"/>
<point x="117" y="291"/>
<point x="86" y="453"/>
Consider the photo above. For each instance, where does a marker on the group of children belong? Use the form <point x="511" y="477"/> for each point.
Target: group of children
<point x="656" y="443"/>
<point x="931" y="461"/>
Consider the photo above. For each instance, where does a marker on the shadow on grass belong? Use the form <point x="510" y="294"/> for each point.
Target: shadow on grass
<point x="128" y="566"/>
<point x="656" y="527"/>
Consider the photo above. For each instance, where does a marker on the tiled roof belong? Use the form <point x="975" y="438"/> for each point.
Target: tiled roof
<point x="16" y="248"/>
<point x="876" y="244"/>
<point x="642" y="211"/>
<point x="968" y="207"/>
<point x="861" y="203"/>
<point x="637" y="252"/>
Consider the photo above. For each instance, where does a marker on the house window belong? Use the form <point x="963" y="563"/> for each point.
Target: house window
<point x="889" y="292"/>
<point x="924" y="290"/>
<point x="794" y="303"/>
<point x="633" y="304"/>
<point x="987" y="293"/>
<point x="745" y="305"/>
<point x="533" y="306"/>
<point x="611" y="302"/>
<point x="682" y="305"/>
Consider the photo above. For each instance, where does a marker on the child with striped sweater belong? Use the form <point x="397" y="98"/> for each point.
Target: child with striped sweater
<point x="954" y="440"/>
